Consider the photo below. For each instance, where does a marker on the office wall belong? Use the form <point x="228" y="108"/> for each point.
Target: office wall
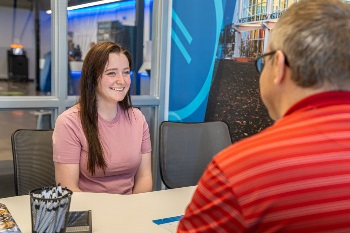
<point x="8" y="29"/>
<point x="77" y="23"/>
<point x="24" y="33"/>
<point x="83" y="23"/>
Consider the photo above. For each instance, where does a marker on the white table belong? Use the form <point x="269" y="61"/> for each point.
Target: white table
<point x="115" y="213"/>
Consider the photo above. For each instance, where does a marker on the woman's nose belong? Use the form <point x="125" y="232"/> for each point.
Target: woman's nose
<point x="120" y="79"/>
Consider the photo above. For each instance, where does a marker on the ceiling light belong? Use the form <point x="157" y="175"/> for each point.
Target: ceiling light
<point x="87" y="5"/>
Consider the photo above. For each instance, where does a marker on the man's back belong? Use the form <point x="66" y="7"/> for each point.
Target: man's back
<point x="294" y="176"/>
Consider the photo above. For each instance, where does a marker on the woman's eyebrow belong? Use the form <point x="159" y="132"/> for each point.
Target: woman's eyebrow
<point x="111" y="69"/>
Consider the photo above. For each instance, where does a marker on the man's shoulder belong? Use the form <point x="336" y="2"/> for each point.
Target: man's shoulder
<point x="250" y="148"/>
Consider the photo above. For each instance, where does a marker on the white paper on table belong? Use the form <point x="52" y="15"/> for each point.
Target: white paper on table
<point x="170" y="224"/>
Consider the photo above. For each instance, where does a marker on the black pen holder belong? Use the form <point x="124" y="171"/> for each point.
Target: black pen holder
<point x="49" y="212"/>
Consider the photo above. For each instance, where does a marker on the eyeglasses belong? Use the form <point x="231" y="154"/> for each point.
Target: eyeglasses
<point x="260" y="61"/>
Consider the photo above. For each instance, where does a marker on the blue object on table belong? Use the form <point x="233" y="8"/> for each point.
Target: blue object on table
<point x="167" y="220"/>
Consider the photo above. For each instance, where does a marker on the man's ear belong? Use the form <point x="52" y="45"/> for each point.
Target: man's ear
<point x="280" y="65"/>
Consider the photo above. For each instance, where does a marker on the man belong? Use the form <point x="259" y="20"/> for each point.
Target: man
<point x="295" y="175"/>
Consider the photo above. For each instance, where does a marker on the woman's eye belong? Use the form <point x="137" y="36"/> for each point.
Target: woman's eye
<point x="126" y="72"/>
<point x="111" y="73"/>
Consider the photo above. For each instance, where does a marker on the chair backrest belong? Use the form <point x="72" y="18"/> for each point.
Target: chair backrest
<point x="185" y="149"/>
<point x="32" y="159"/>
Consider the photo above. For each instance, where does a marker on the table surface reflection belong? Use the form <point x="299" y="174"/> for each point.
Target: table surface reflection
<point x="115" y="213"/>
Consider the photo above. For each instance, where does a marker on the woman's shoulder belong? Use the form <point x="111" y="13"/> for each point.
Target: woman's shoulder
<point x="68" y="125"/>
<point x="137" y="113"/>
<point x="70" y="114"/>
<point x="133" y="114"/>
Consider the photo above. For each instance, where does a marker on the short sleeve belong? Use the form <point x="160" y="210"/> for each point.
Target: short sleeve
<point x="146" y="138"/>
<point x="66" y="142"/>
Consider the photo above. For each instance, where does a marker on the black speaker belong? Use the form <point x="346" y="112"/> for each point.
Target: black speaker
<point x="17" y="67"/>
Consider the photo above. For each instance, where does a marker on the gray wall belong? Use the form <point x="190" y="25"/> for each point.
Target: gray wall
<point x="28" y="39"/>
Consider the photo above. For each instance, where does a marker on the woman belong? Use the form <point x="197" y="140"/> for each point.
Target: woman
<point x="102" y="144"/>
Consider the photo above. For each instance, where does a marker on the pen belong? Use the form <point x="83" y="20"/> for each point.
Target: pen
<point x="49" y="209"/>
<point x="40" y="210"/>
<point x="61" y="215"/>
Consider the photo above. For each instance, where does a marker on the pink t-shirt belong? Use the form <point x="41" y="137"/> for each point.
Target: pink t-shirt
<point x="124" y="142"/>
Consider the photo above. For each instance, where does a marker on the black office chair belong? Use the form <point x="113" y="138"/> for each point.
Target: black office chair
<point x="187" y="148"/>
<point x="32" y="160"/>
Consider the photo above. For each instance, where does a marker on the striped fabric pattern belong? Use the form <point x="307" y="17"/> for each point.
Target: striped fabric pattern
<point x="292" y="177"/>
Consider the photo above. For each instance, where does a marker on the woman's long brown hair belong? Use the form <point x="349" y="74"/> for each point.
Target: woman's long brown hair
<point x="93" y="68"/>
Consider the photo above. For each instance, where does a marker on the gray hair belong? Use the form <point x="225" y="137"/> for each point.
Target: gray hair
<point x="315" y="37"/>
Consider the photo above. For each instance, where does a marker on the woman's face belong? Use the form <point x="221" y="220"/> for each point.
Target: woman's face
<point x="115" y="81"/>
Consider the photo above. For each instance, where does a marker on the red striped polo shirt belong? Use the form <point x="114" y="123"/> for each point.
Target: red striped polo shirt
<point x="292" y="177"/>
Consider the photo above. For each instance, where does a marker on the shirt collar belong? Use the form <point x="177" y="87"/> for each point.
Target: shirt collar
<point x="321" y="100"/>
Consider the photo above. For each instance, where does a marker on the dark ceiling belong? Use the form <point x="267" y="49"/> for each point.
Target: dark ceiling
<point x="43" y="4"/>
<point x="26" y="4"/>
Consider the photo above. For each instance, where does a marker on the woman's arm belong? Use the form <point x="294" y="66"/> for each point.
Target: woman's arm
<point x="143" y="177"/>
<point x="67" y="175"/>
<point x="67" y="146"/>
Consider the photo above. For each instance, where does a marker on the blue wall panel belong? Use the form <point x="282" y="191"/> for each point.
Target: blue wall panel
<point x="196" y="27"/>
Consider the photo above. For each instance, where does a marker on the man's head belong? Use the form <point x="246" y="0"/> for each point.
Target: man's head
<point x="311" y="40"/>
<point x="314" y="36"/>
